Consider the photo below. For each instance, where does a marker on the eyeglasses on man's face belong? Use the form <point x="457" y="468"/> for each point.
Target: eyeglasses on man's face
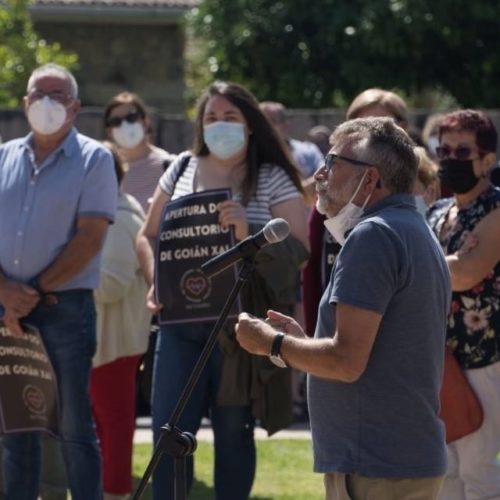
<point x="331" y="158"/>
<point x="116" y="121"/>
<point x="56" y="95"/>
<point x="460" y="152"/>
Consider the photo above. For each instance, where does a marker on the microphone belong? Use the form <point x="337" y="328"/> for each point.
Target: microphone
<point x="274" y="231"/>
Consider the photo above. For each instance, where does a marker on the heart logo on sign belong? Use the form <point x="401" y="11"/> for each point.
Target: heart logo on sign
<point x="196" y="285"/>
<point x="34" y="399"/>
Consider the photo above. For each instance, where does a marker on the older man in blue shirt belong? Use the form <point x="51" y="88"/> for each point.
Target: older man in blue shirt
<point x="57" y="196"/>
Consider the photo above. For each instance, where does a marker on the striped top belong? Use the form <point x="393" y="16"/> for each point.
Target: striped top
<point x="274" y="186"/>
<point x="143" y="174"/>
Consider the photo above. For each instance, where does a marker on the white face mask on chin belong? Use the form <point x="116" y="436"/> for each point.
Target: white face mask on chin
<point x="347" y="218"/>
<point x="46" y="116"/>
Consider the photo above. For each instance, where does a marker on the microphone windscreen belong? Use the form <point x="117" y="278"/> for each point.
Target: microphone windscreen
<point x="495" y="176"/>
<point x="276" y="230"/>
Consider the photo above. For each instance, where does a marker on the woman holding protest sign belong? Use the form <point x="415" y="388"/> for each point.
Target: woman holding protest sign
<point x="235" y="148"/>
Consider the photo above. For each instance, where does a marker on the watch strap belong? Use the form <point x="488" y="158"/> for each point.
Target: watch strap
<point x="276" y="346"/>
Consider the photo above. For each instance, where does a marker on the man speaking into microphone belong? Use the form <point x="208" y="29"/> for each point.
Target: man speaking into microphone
<point x="375" y="364"/>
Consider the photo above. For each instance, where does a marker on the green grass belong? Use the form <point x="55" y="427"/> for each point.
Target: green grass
<point x="284" y="471"/>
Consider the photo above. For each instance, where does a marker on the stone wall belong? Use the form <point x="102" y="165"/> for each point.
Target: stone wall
<point x="148" y="60"/>
<point x="175" y="132"/>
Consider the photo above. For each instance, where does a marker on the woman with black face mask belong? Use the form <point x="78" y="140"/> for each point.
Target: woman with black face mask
<point x="468" y="228"/>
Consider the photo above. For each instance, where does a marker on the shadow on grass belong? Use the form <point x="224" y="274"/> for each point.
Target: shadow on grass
<point x="200" y="491"/>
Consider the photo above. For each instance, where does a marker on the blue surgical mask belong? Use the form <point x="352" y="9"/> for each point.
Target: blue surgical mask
<point x="224" y="139"/>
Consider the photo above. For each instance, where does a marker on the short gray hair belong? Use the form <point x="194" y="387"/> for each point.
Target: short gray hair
<point x="52" y="69"/>
<point x="382" y="143"/>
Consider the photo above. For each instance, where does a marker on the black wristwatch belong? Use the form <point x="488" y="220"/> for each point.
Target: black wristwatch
<point x="275" y="356"/>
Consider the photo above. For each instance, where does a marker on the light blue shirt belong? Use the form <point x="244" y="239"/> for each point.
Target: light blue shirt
<point x="40" y="205"/>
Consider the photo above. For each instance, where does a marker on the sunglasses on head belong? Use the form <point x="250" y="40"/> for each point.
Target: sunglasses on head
<point x="460" y="152"/>
<point x="330" y="159"/>
<point x="116" y="121"/>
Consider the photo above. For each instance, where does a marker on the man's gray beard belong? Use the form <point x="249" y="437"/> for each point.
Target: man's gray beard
<point x="321" y="204"/>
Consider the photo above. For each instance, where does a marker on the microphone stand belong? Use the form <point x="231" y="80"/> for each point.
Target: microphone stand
<point x="173" y="441"/>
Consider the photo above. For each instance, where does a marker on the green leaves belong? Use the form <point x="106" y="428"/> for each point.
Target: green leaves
<point x="21" y="50"/>
<point x="320" y="53"/>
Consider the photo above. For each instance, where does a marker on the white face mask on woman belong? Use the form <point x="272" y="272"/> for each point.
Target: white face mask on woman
<point x="421" y="205"/>
<point x="224" y="139"/>
<point x="46" y="116"/>
<point x="347" y="218"/>
<point x="128" y="135"/>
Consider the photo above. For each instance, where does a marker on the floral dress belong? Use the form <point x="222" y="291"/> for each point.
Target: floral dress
<point x="473" y="331"/>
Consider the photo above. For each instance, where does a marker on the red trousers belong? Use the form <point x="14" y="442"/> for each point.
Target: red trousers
<point x="112" y="392"/>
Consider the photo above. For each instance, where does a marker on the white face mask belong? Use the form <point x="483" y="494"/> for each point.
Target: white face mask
<point x="432" y="144"/>
<point x="128" y="135"/>
<point x="46" y="116"/>
<point x="421" y="205"/>
<point x="347" y="218"/>
<point x="224" y="139"/>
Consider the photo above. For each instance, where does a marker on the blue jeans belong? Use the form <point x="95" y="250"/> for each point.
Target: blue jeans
<point x="68" y="331"/>
<point x="177" y="350"/>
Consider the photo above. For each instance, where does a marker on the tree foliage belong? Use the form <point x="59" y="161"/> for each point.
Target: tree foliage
<point x="22" y="50"/>
<point x="320" y="53"/>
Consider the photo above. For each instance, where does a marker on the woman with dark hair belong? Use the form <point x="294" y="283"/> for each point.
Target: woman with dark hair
<point x="128" y="125"/>
<point x="467" y="153"/>
<point x="234" y="147"/>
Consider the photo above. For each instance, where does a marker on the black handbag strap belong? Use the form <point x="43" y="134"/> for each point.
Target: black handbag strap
<point x="184" y="164"/>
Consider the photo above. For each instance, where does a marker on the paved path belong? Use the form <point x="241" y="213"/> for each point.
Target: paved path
<point x="143" y="433"/>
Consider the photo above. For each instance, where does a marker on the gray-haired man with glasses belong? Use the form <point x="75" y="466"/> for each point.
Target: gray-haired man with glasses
<point x="376" y="361"/>
<point x="57" y="196"/>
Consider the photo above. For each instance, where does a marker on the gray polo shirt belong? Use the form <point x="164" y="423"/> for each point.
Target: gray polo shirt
<point x="39" y="207"/>
<point x="386" y="423"/>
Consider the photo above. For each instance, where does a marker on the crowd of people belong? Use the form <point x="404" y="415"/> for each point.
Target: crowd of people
<point x="393" y="257"/>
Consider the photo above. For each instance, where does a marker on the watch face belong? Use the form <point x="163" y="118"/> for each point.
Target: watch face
<point x="278" y="361"/>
